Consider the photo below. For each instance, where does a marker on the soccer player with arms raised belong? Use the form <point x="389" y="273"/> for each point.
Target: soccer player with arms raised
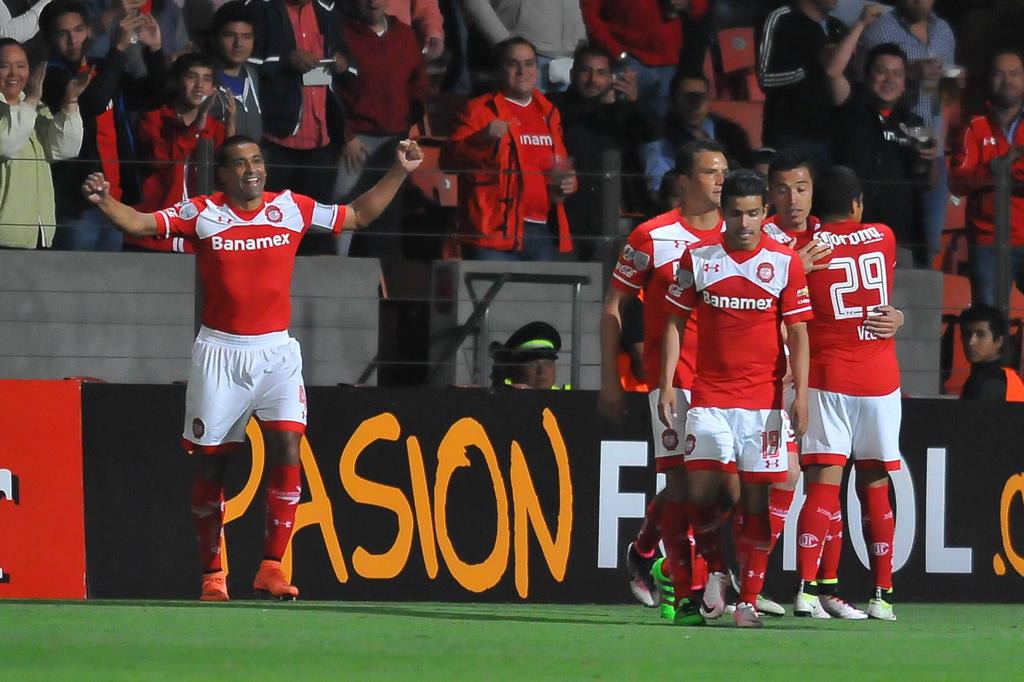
<point x="243" y="361"/>
<point x="854" y="398"/>
<point x="745" y="287"/>
<point x="647" y="264"/>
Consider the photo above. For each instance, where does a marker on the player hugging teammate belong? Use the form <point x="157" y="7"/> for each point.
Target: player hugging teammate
<point x="754" y="298"/>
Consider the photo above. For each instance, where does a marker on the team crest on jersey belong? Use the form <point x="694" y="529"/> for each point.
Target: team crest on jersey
<point x="198" y="427"/>
<point x="670" y="439"/>
<point x="274" y="214"/>
<point x="766" y="272"/>
<point x="187" y="210"/>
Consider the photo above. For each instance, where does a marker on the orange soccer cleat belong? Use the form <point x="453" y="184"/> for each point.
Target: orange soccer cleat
<point x="270" y="582"/>
<point x="215" y="587"/>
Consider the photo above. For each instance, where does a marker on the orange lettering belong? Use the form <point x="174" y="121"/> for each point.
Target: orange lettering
<point x="237" y="505"/>
<point x="1014" y="487"/>
<point x="421" y="502"/>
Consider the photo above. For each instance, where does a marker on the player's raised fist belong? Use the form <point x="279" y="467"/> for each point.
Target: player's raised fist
<point x="96" y="188"/>
<point x="409" y="155"/>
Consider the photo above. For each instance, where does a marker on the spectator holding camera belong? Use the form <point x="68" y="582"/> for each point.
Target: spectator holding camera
<point x="107" y="103"/>
<point x="884" y="142"/>
<point x="514" y="169"/>
<point x="30" y="138"/>
<point x="996" y="134"/>
<point x="601" y="112"/>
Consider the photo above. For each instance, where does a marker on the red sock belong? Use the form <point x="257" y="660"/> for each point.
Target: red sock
<point x="705" y="522"/>
<point x="699" y="567"/>
<point x="673" y="528"/>
<point x="757" y="538"/>
<point x="779" y="501"/>
<point x="812" y="526"/>
<point x="208" y="521"/>
<point x="832" y="549"/>
<point x="647" y="539"/>
<point x="879" y="529"/>
<point x="284" y="487"/>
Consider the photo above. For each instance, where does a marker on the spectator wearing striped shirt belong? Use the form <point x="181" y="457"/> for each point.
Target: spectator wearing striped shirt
<point x="930" y="45"/>
<point x="791" y="69"/>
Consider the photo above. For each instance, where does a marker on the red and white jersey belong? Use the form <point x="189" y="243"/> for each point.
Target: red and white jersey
<point x="246" y="258"/>
<point x="648" y="262"/>
<point x="794" y="240"/>
<point x="844" y="357"/>
<point x="742" y="298"/>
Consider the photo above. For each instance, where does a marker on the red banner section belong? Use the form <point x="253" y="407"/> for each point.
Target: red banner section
<point x="42" y="526"/>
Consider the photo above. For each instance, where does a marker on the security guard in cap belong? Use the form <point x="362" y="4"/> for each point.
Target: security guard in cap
<point x="527" y="359"/>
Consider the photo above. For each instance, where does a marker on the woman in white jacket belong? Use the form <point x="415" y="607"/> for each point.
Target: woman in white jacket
<point x="30" y="138"/>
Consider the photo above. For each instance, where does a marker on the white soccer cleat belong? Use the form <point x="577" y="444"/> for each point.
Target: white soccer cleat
<point x="746" y="616"/>
<point x="837" y="607"/>
<point x="769" y="607"/>
<point x="712" y="605"/>
<point x="808" y="606"/>
<point x="640" y="581"/>
<point x="879" y="607"/>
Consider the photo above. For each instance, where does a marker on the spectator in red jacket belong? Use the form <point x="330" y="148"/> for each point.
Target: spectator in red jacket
<point x="169" y="136"/>
<point x="649" y="33"/>
<point x="997" y="134"/>
<point x="380" y="106"/>
<point x="514" y="171"/>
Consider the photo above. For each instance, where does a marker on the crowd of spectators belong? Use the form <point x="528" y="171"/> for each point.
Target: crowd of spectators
<point x="534" y="95"/>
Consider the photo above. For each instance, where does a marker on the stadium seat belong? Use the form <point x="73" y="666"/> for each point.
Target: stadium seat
<point x="956" y="296"/>
<point x="436" y="185"/>
<point x="736" y="45"/>
<point x="749" y="116"/>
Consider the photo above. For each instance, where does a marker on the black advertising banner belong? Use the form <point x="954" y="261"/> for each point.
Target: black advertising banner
<point x="466" y="495"/>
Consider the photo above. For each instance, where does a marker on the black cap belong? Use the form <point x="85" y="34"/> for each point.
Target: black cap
<point x="533" y="341"/>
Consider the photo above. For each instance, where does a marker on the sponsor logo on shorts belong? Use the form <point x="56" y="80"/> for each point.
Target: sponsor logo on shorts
<point x="691" y="443"/>
<point x="274" y="214"/>
<point x="251" y="244"/>
<point x="670" y="439"/>
<point x="766" y="272"/>
<point x="808" y="541"/>
<point x="880" y="548"/>
<point x="198" y="427"/>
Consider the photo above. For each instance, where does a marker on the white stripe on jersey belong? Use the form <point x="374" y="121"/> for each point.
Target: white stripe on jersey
<point x="324" y="216"/>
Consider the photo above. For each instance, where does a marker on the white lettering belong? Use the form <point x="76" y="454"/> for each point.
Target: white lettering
<point x="738" y="302"/>
<point x="937" y="557"/>
<point x="536" y="140"/>
<point x="253" y="244"/>
<point x="612" y="504"/>
<point x="868" y="235"/>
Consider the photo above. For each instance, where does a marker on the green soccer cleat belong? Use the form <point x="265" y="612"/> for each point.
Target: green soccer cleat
<point x="880" y="605"/>
<point x="668" y="592"/>
<point x="688" y="614"/>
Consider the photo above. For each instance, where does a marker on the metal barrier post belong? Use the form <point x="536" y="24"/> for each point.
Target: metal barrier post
<point x="611" y="209"/>
<point x="1003" y="178"/>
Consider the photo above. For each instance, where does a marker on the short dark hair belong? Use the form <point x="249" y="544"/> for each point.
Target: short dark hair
<point x="55" y="10"/>
<point x="220" y="157"/>
<point x="502" y="48"/>
<point x="982" y="312"/>
<point x="884" y="50"/>
<point x="591" y="50"/>
<point x="686" y="157"/>
<point x="790" y="159"/>
<point x="187" y="61"/>
<point x="744" y="182"/>
<point x="1000" y="51"/>
<point x="9" y="42"/>
<point x="229" y="13"/>
<point x="681" y="76"/>
<point x="834" y="191"/>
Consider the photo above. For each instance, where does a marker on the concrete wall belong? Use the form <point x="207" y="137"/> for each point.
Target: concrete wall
<point x="128" y="317"/>
<point x="918" y="293"/>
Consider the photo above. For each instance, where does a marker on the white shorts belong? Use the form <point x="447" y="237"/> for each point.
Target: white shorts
<point x="668" y="446"/>
<point x="234" y="377"/>
<point x="752" y="442"/>
<point x="866" y="428"/>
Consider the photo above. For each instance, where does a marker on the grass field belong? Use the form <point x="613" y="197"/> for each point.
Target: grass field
<point x="105" y="640"/>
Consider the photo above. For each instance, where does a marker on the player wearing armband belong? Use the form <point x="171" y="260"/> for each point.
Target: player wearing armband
<point x="854" y="397"/>
<point x="243" y="360"/>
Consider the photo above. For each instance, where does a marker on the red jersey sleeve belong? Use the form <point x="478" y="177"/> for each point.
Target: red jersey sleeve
<point x="321" y="217"/>
<point x="636" y="263"/>
<point x="683" y="292"/>
<point x="179" y="220"/>
<point x="795" y="298"/>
